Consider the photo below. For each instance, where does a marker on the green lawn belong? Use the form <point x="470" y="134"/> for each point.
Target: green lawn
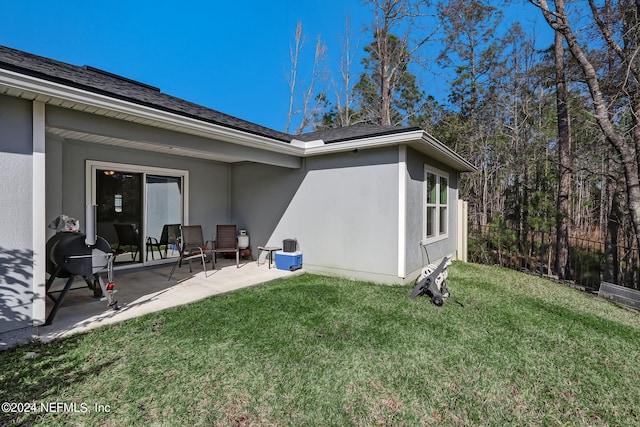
<point x="318" y="351"/>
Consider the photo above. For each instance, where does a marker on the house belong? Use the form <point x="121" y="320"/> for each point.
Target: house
<point x="368" y="202"/>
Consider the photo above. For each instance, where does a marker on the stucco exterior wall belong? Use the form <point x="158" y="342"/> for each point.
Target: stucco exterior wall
<point x="342" y="209"/>
<point x="16" y="239"/>
<point x="417" y="254"/>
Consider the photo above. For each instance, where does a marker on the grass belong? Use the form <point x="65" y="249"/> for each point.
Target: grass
<point x="319" y="351"/>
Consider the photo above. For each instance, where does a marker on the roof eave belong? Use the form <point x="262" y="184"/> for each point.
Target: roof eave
<point x="440" y="152"/>
<point x="364" y="143"/>
<point x="416" y="139"/>
<point x="34" y="88"/>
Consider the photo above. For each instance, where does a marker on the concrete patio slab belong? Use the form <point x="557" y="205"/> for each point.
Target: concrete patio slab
<point x="147" y="290"/>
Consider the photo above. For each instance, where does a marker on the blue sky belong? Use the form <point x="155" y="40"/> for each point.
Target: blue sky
<point x="232" y="56"/>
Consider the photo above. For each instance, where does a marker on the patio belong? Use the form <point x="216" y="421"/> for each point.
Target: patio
<point x="146" y="290"/>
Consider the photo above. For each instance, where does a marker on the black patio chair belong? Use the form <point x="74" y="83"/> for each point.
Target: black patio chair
<point x="127" y="237"/>
<point x="165" y="240"/>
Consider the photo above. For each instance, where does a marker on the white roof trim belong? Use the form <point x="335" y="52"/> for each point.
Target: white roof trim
<point x="447" y="155"/>
<point x="417" y="139"/>
<point x="34" y="88"/>
<point x="365" y="143"/>
<point x="307" y="144"/>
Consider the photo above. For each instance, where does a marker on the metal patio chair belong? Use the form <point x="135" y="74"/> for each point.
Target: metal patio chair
<point x="191" y="246"/>
<point x="226" y="242"/>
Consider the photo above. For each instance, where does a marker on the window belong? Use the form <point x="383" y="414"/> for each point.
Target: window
<point x="436" y="221"/>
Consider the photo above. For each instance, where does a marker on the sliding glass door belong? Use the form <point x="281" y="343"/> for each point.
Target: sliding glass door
<point x="140" y="209"/>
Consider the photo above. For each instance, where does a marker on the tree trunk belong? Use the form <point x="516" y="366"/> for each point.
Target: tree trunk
<point x="605" y="196"/>
<point x="564" y="159"/>
<point x="611" y="264"/>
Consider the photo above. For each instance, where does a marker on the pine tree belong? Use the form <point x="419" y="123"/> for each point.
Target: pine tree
<point x="387" y="93"/>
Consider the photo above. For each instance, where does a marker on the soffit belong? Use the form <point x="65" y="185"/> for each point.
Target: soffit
<point x="144" y="146"/>
<point x="441" y="153"/>
<point x="86" y="108"/>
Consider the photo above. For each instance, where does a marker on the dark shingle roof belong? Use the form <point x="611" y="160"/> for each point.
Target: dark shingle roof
<point x="104" y="83"/>
<point x="353" y="132"/>
<point x="97" y="81"/>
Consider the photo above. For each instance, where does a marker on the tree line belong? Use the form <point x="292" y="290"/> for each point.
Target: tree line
<point x="554" y="132"/>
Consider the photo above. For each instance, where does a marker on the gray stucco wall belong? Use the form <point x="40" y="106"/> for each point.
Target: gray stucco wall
<point x="342" y="209"/>
<point x="418" y="256"/>
<point x="16" y="192"/>
<point x="66" y="180"/>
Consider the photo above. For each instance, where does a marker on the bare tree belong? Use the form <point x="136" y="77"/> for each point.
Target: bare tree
<point x="310" y="100"/>
<point x="344" y="96"/>
<point x="292" y="80"/>
<point x="390" y="17"/>
<point x="625" y="45"/>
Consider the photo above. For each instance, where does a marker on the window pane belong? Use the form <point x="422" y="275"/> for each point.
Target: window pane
<point x="117" y="203"/>
<point x="164" y="202"/>
<point x="431" y="188"/>
<point x="443" y="190"/>
<point x="444" y="219"/>
<point x="119" y="212"/>
<point x="164" y="213"/>
<point x="431" y="220"/>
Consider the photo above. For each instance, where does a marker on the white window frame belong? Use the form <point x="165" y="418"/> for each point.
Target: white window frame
<point x="437" y="205"/>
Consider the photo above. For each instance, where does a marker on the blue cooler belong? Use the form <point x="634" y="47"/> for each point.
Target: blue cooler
<point x="288" y="260"/>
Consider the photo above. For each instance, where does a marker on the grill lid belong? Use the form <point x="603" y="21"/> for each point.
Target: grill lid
<point x="68" y="254"/>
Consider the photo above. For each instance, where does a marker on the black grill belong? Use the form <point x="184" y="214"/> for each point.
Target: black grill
<point x="73" y="254"/>
<point x="69" y="255"/>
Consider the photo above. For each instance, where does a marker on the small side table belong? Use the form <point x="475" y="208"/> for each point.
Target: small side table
<point x="270" y="250"/>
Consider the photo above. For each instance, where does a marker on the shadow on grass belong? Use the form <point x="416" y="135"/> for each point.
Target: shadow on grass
<point x="591" y="323"/>
<point x="38" y="379"/>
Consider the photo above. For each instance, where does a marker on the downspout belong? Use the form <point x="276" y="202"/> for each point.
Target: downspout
<point x="402" y="210"/>
<point x="229" y="190"/>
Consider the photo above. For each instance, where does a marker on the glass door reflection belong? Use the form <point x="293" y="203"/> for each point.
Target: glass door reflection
<point x="163" y="216"/>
